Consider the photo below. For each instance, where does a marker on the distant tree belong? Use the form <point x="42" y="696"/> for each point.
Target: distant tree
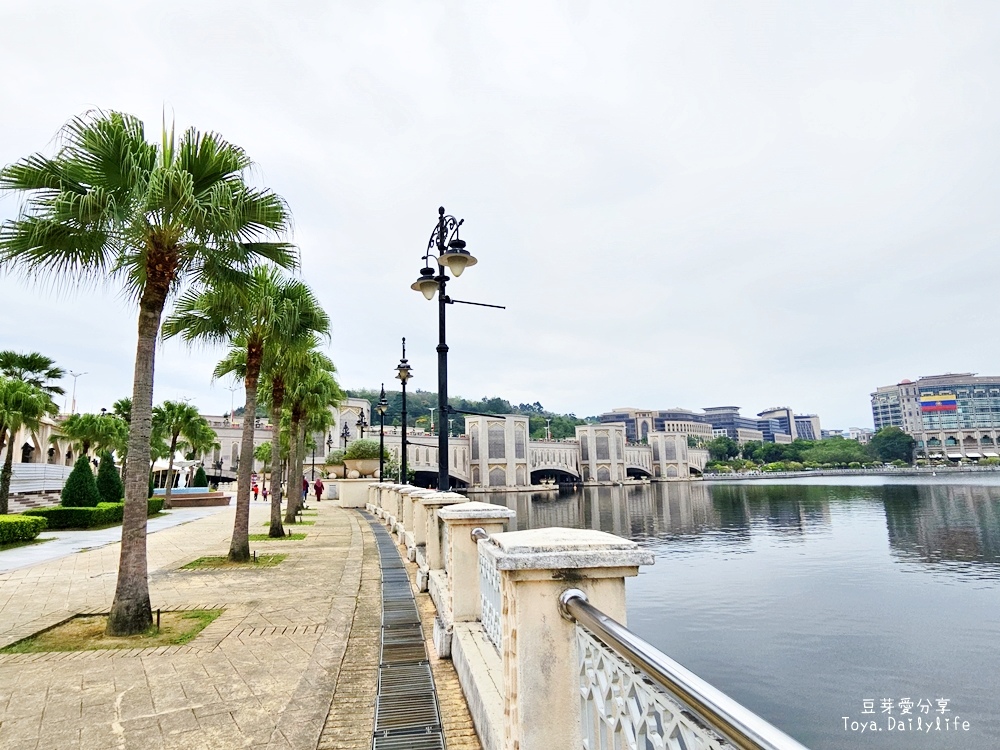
<point x="891" y="443"/>
<point x="723" y="448"/>
<point x="109" y="484"/>
<point x="80" y="490"/>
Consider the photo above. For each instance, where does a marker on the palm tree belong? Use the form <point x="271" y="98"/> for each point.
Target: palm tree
<point x="266" y="311"/>
<point x="99" y="431"/>
<point x="314" y="389"/>
<point x="21" y="405"/>
<point x="32" y="368"/>
<point x="170" y="421"/>
<point x="156" y="216"/>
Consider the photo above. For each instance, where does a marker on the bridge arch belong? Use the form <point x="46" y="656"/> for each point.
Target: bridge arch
<point x="559" y="475"/>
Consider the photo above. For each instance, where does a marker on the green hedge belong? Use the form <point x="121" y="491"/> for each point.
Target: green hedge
<point x="20" y="529"/>
<point x="105" y="514"/>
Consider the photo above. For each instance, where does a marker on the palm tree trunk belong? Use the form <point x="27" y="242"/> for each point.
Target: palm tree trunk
<point x="294" y="480"/>
<point x="277" y="401"/>
<point x="170" y="474"/>
<point x="131" y="612"/>
<point x="239" y="547"/>
<point x="8" y="470"/>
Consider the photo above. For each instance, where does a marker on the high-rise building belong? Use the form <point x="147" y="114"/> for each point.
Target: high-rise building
<point x="956" y="415"/>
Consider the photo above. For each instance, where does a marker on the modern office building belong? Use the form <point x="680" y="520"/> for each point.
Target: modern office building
<point x="726" y="421"/>
<point x="954" y="416"/>
<point x="807" y="427"/>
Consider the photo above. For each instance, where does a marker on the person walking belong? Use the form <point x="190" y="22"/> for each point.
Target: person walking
<point x="256" y="491"/>
<point x="305" y="489"/>
<point x="318" y="489"/>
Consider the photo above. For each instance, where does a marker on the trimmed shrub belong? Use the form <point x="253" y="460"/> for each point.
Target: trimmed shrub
<point x="155" y="506"/>
<point x="362" y="449"/>
<point x="103" y="514"/>
<point x="20" y="528"/>
<point x="109" y="484"/>
<point x="335" y="458"/>
<point x="80" y="490"/>
<point x="200" y="478"/>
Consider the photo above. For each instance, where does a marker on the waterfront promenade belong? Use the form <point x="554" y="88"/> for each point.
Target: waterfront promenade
<point x="291" y="662"/>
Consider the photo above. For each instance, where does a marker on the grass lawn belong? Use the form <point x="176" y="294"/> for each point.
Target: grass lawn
<point x="86" y="633"/>
<point x="223" y="562"/>
<point x="266" y="538"/>
<point x="294" y="523"/>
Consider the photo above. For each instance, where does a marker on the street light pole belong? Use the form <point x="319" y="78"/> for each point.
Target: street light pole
<point x="345" y="433"/>
<point x="404" y="373"/>
<point x="380" y="408"/>
<point x="361" y="424"/>
<point x="451" y="255"/>
<point x="74" y="375"/>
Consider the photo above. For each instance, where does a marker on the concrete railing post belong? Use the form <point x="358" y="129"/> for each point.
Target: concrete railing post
<point x="541" y="693"/>
<point x="414" y="536"/>
<point x="460" y="594"/>
<point x="433" y="558"/>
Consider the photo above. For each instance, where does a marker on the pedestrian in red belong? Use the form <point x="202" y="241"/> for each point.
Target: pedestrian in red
<point x="256" y="491"/>
<point x="318" y="489"/>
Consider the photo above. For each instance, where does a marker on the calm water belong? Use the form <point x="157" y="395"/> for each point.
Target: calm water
<point x="801" y="599"/>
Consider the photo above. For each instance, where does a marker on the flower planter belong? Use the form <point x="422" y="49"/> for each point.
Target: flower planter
<point x="366" y="467"/>
<point x="335" y="470"/>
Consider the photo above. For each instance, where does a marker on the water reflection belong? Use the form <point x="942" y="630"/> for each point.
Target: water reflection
<point x="930" y="524"/>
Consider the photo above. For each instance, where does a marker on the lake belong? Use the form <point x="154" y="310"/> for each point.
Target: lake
<point x="803" y="599"/>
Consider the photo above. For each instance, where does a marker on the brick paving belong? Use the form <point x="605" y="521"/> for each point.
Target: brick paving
<point x="289" y="663"/>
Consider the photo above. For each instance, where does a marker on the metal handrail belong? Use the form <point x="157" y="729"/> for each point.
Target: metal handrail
<point x="478" y="533"/>
<point x="738" y="724"/>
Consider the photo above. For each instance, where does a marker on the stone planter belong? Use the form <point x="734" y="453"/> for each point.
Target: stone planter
<point x="335" y="470"/>
<point x="365" y="467"/>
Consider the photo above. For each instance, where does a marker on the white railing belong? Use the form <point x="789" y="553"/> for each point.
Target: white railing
<point x="489" y="592"/>
<point x="635" y="696"/>
<point x="38" y="477"/>
<point x="623" y="709"/>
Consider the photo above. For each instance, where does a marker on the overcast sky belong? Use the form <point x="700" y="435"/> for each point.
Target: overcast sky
<point x="681" y="204"/>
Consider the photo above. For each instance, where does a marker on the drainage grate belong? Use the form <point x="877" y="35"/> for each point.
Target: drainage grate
<point x="406" y="710"/>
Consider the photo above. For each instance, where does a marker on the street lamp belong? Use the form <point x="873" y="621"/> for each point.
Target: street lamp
<point x="329" y="442"/>
<point x="361" y="424"/>
<point x="380" y="407"/>
<point x="345" y="433"/>
<point x="404" y="373"/>
<point x="74" y="375"/>
<point x="451" y="255"/>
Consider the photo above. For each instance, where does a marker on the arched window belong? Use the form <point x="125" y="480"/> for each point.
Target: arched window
<point x="497" y="443"/>
<point x="519" y="441"/>
<point x="520" y="476"/>
<point x="584" y="449"/>
<point x="669" y="450"/>
<point x="498" y="477"/>
<point x="671" y="471"/>
<point x="603" y="449"/>
<point x="603" y="473"/>
<point x="475" y="475"/>
<point x="474" y="437"/>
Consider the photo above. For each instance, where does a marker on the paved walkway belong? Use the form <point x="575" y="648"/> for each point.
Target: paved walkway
<point x="58" y="544"/>
<point x="265" y="674"/>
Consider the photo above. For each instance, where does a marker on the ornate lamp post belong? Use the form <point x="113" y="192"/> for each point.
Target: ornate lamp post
<point x="450" y="253"/>
<point x="345" y="433"/>
<point x="404" y="373"/>
<point x="380" y="407"/>
<point x="361" y="424"/>
<point x="329" y="442"/>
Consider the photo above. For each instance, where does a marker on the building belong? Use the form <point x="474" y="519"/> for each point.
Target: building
<point x="639" y="422"/>
<point x="807" y="427"/>
<point x="954" y="416"/>
<point x="727" y="422"/>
